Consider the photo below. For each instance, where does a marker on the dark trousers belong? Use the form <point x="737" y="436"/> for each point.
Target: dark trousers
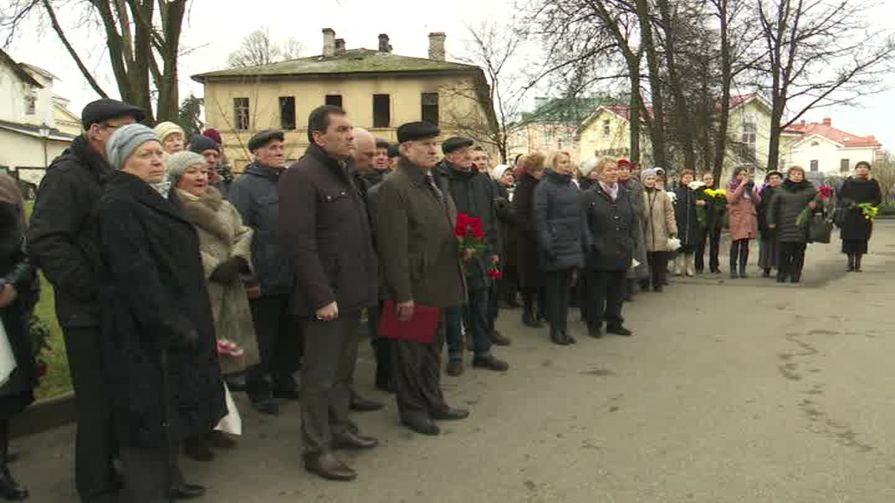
<point x="658" y="267"/>
<point x="713" y="237"/>
<point x="767" y="250"/>
<point x="557" y="293"/>
<point x="146" y="474"/>
<point x="279" y="340"/>
<point x="382" y="348"/>
<point x="95" y="444"/>
<point x="604" y="297"/>
<point x="739" y="249"/>
<point x="476" y="318"/>
<point x="493" y="305"/>
<point x="330" y="354"/>
<point x="418" y="375"/>
<point x="452" y="318"/>
<point x="791" y="260"/>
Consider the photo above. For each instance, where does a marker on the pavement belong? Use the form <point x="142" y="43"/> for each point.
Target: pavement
<point x="729" y="391"/>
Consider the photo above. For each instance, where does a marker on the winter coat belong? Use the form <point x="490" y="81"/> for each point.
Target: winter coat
<point x="657" y="220"/>
<point x="323" y="220"/>
<point x="635" y="195"/>
<point x="857" y="191"/>
<point x="613" y="227"/>
<point x="527" y="266"/>
<point x="767" y="196"/>
<point x="415" y="238"/>
<point x="62" y="237"/>
<point x="506" y="223"/>
<point x="367" y="179"/>
<point x="473" y="194"/>
<point x="17" y="392"/>
<point x="256" y="197"/>
<point x="686" y="218"/>
<point x="560" y="223"/>
<point x="742" y="211"/>
<point x="786" y="205"/>
<point x="153" y="284"/>
<point x="222" y="236"/>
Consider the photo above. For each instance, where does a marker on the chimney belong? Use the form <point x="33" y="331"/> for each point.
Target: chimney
<point x="384" y="46"/>
<point x="828" y="121"/>
<point x="340" y="46"/>
<point x="329" y="42"/>
<point x="436" y="46"/>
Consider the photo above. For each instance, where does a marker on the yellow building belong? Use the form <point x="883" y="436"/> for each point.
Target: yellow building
<point x="607" y="132"/>
<point x="379" y="91"/>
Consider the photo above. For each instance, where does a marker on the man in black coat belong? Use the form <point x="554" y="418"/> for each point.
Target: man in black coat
<point x="711" y="233"/>
<point x="63" y="241"/>
<point x="327" y="233"/>
<point x="257" y="199"/>
<point x="474" y="195"/>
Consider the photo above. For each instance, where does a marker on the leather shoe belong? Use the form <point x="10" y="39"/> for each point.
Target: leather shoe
<point x="450" y="414"/>
<point x="619" y="330"/>
<point x="490" y="362"/>
<point x="595" y="331"/>
<point x="351" y="441"/>
<point x="360" y="404"/>
<point x="329" y="467"/>
<point x="498" y="339"/>
<point x="423" y="426"/>
<point x="186" y="491"/>
<point x="455" y="368"/>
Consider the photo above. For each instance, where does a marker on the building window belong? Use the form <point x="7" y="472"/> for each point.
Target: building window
<point x="334" y="99"/>
<point x="31" y="102"/>
<point x="844" y="165"/>
<point x="815" y="167"/>
<point x="606" y="129"/>
<point x="241" y="113"/>
<point x="429" y="111"/>
<point x="382" y="115"/>
<point x="287" y="112"/>
<point x="750" y="135"/>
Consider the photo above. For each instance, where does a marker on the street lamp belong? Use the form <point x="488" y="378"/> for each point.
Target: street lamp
<point x="45" y="134"/>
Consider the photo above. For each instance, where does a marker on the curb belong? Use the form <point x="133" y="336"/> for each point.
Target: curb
<point x="44" y="415"/>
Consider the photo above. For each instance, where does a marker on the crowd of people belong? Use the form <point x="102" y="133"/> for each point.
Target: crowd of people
<point x="178" y="284"/>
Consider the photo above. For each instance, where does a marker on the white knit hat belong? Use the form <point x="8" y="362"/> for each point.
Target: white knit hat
<point x="164" y="129"/>
<point x="498" y="171"/>
<point x="587" y="166"/>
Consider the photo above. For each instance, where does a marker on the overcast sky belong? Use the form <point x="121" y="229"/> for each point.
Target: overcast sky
<point x="214" y="29"/>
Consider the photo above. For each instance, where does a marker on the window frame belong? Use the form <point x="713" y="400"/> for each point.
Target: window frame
<point x="333" y="99"/>
<point x="382" y="118"/>
<point x="242" y="120"/>
<point x="431" y="107"/>
<point x="284" y="102"/>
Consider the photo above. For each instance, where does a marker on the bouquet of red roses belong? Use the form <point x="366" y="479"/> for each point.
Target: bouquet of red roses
<point x="470" y="233"/>
<point x="823" y="194"/>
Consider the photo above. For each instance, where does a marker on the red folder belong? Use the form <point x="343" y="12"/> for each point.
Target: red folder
<point x="420" y="328"/>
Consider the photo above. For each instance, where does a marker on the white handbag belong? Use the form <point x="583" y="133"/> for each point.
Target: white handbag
<point x="7" y="358"/>
<point x="232" y="422"/>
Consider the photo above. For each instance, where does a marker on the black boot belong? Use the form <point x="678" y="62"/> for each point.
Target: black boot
<point x="766" y="273"/>
<point x="10" y="490"/>
<point x="851" y="262"/>
<point x="858" y="258"/>
<point x="557" y="336"/>
<point x="260" y="393"/>
<point x="744" y="258"/>
<point x="734" y="253"/>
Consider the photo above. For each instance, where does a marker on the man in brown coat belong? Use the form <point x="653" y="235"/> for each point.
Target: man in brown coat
<point x="327" y="234"/>
<point x="421" y="265"/>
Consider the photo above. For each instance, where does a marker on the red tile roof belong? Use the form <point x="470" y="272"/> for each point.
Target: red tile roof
<point x="826" y="130"/>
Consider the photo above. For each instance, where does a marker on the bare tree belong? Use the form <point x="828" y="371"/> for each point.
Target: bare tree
<point x="819" y="54"/>
<point x="258" y="49"/>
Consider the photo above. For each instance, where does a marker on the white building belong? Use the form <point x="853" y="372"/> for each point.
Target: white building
<point x="821" y="149"/>
<point x="29" y="134"/>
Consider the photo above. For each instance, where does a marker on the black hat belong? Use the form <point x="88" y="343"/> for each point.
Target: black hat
<point x="455" y="143"/>
<point x="394" y="151"/>
<point x="380" y="143"/>
<point x="105" y="109"/>
<point x="772" y="173"/>
<point x="262" y="138"/>
<point x="417" y="131"/>
<point x="200" y="143"/>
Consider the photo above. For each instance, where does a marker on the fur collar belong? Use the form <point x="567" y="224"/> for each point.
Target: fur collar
<point x="203" y="212"/>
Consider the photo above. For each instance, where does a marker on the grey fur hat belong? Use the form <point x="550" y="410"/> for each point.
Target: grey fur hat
<point x="125" y="140"/>
<point x="177" y="164"/>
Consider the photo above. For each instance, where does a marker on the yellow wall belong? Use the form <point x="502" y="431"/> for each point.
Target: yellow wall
<point x="594" y="142"/>
<point x="457" y="104"/>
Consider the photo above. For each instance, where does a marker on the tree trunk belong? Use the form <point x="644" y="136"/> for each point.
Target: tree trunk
<point x="682" y="121"/>
<point x="726" y="78"/>
<point x="657" y="131"/>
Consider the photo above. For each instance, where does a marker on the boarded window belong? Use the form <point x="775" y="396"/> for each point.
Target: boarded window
<point x="334" y="99"/>
<point x="287" y="112"/>
<point x="429" y="112"/>
<point x="844" y="165"/>
<point x="241" y="113"/>
<point x="382" y="114"/>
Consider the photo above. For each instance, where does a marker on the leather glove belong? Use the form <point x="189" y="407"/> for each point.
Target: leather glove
<point x="228" y="271"/>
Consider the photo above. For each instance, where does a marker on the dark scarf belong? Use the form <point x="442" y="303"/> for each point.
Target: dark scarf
<point x="791" y="186"/>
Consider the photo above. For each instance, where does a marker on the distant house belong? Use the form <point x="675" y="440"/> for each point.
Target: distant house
<point x="30" y="136"/>
<point x="825" y="151"/>
<point x="379" y="90"/>
<point x="552" y="125"/>
<point x="607" y="132"/>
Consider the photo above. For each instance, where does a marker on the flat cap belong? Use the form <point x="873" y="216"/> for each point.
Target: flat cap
<point x="200" y="143"/>
<point x="417" y="131"/>
<point x="380" y="143"/>
<point x="264" y="137"/>
<point x="105" y="109"/>
<point x="455" y="143"/>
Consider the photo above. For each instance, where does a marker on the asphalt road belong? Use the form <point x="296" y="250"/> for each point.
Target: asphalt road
<point x="729" y="391"/>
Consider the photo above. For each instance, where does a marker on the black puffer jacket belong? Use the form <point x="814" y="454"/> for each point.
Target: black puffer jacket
<point x="257" y="199"/>
<point x="63" y="239"/>
<point x="686" y="217"/>
<point x="613" y="226"/>
<point x="788" y="202"/>
<point x="560" y="223"/>
<point x="527" y="261"/>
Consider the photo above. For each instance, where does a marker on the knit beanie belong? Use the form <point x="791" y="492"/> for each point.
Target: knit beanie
<point x="651" y="172"/>
<point x="163" y="129"/>
<point x="125" y="140"/>
<point x="498" y="171"/>
<point x="587" y="166"/>
<point x="214" y="134"/>
<point x="199" y="144"/>
<point x="177" y="164"/>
